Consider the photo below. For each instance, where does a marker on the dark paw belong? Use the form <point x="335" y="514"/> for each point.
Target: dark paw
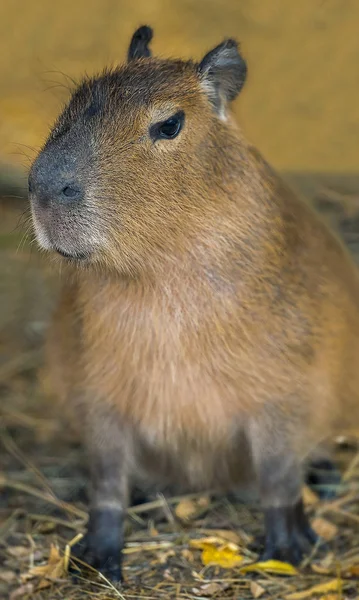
<point x="289" y="536"/>
<point x="101" y="548"/>
<point x="86" y="557"/>
<point x="324" y="478"/>
<point x="290" y="554"/>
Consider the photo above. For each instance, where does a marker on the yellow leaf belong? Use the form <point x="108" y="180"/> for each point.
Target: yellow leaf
<point x="212" y="540"/>
<point x="334" y="585"/>
<point x="271" y="566"/>
<point x="224" y="556"/>
<point x="325" y="529"/>
<point x="218" y="551"/>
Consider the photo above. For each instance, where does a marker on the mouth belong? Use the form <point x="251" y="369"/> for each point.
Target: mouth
<point x="73" y="256"/>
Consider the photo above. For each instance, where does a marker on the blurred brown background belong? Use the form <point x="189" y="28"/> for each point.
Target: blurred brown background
<point x="300" y="104"/>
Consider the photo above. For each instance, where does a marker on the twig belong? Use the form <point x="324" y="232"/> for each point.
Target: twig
<point x="76" y="525"/>
<point x="148" y="506"/>
<point x="346" y="514"/>
<point x="32" y="491"/>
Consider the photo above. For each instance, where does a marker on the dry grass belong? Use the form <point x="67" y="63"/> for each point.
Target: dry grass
<point x="43" y="510"/>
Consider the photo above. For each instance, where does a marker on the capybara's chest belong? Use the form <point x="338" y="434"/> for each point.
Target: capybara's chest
<point x="179" y="383"/>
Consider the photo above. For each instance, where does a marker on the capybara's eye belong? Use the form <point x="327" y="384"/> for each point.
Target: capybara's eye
<point x="169" y="129"/>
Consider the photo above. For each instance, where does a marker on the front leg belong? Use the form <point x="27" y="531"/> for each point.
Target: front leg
<point x="108" y="453"/>
<point x="288" y="535"/>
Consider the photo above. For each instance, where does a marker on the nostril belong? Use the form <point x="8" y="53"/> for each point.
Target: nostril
<point x="70" y="192"/>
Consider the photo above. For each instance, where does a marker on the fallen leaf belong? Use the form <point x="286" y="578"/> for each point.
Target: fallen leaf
<point x="210" y="589"/>
<point x="212" y="540"/>
<point x="271" y="566"/>
<point x="217" y="551"/>
<point x="329" y="597"/>
<point x="186" y="509"/>
<point x="324" y="528"/>
<point x="334" y="585"/>
<point x="224" y="556"/>
<point x="54" y="569"/>
<point x="309" y="497"/>
<point x="226" y="534"/>
<point x="257" y="590"/>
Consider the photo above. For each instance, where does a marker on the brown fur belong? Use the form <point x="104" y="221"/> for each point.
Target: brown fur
<point x="212" y="338"/>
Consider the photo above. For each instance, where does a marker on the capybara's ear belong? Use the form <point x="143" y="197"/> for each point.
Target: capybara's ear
<point x="223" y="72"/>
<point x="139" y="43"/>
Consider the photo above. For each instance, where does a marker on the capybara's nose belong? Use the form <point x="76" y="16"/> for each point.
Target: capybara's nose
<point x="52" y="180"/>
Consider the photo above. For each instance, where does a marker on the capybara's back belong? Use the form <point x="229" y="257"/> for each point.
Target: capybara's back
<point x="209" y="334"/>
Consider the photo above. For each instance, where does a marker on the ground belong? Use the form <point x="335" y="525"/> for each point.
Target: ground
<point x="175" y="546"/>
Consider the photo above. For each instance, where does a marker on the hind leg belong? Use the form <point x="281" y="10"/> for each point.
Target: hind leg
<point x="324" y="477"/>
<point x="139" y="496"/>
<point x="288" y="535"/>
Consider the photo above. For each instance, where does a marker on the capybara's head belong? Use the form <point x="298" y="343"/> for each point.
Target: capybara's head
<point x="130" y="162"/>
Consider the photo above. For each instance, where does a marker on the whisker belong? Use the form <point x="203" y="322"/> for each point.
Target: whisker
<point x="63" y="74"/>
